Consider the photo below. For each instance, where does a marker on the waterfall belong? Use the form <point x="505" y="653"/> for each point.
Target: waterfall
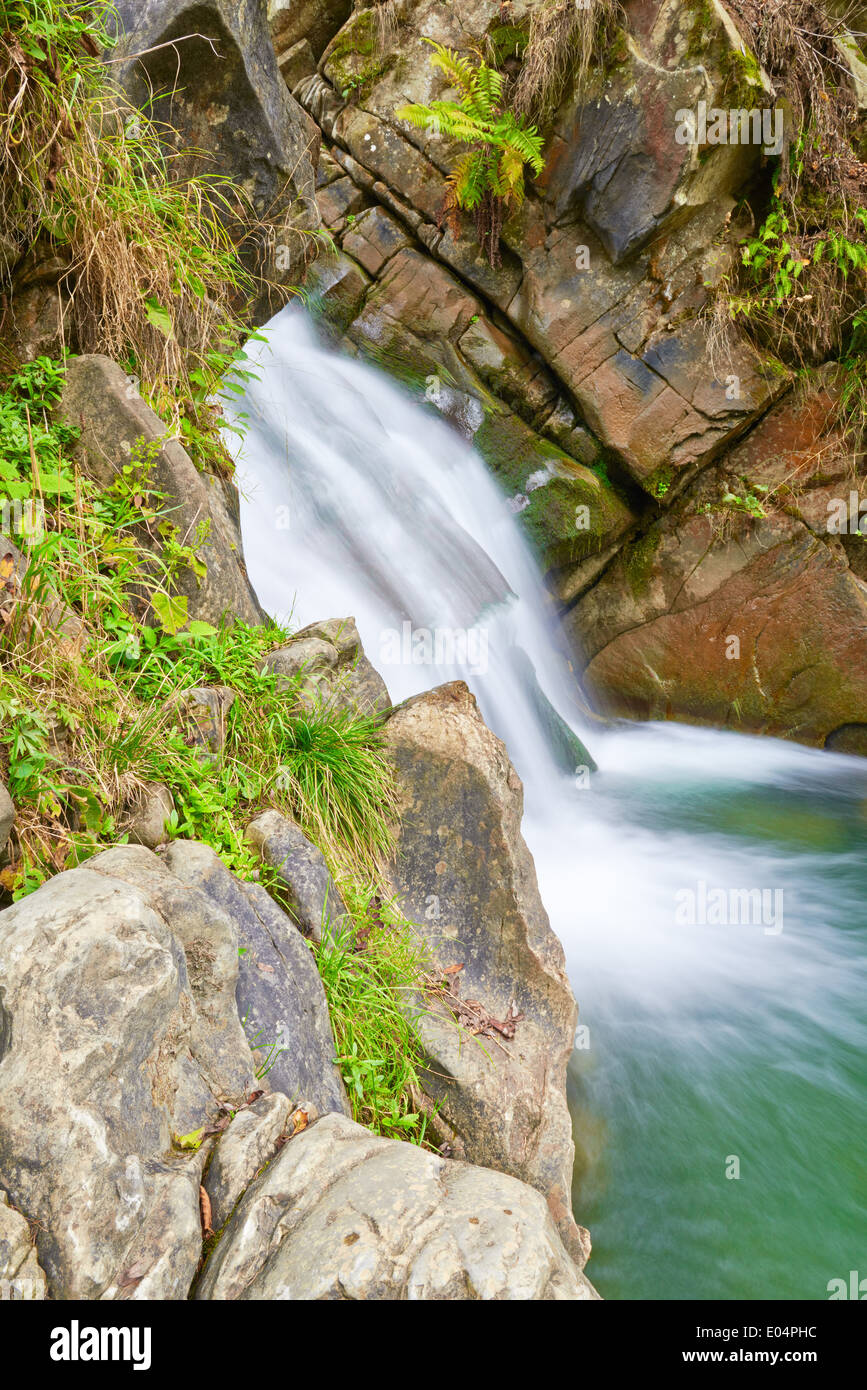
<point x="708" y="887"/>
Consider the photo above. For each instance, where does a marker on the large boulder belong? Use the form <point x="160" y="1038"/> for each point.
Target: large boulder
<point x="751" y="618"/>
<point x="207" y="70"/>
<point x="118" y="1037"/>
<point x="462" y="872"/>
<point x="278" y="993"/>
<point x="117" y="427"/>
<point x="343" y="1214"/>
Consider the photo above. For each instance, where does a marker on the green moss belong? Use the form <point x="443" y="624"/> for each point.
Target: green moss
<point x="639" y="562"/>
<point x="353" y="63"/>
<point x="743" y="78"/>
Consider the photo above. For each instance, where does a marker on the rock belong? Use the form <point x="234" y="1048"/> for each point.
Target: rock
<point x="250" y="1142"/>
<point x="313" y="897"/>
<point x="325" y="667"/>
<point x="567" y="511"/>
<point x="343" y="1214"/>
<point x="314" y="20"/>
<point x="7" y="817"/>
<point x="222" y="91"/>
<point x="296" y="63"/>
<point x="715" y="616"/>
<point x="464" y="875"/>
<point x="117" y="426"/>
<point x="279" y="994"/>
<point x="147" y="824"/>
<point x="20" y="1275"/>
<point x="335" y="289"/>
<point x="338" y="200"/>
<point x="207" y="707"/>
<point x="118" y="1031"/>
<point x="374" y="238"/>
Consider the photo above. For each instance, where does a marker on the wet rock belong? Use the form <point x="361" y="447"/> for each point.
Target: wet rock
<point x="374" y="238"/>
<point x="463" y="873"/>
<point x="279" y="995"/>
<point x="312" y="895"/>
<point x="116" y="427"/>
<point x="343" y="1214"/>
<point x="335" y="289"/>
<point x="753" y="621"/>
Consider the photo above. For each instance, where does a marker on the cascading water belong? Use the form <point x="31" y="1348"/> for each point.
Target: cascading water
<point x="718" y="1091"/>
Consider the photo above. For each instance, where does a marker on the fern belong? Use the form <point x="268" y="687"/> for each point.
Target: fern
<point x="491" y="178"/>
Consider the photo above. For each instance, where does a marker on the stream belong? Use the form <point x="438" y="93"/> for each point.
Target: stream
<point x="709" y="888"/>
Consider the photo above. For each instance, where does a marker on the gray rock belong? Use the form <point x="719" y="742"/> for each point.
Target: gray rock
<point x="222" y="91"/>
<point x="463" y="873"/>
<point x="7" y="817"/>
<point x="147" y="821"/>
<point x="207" y="707"/>
<point x="118" y="1032"/>
<point x="296" y="63"/>
<point x="343" y="1214"/>
<point x="20" y="1275"/>
<point x="328" y="660"/>
<point x="279" y="994"/>
<point x="250" y="1142"/>
<point x="315" y="20"/>
<point x="313" y="896"/>
<point x="104" y="403"/>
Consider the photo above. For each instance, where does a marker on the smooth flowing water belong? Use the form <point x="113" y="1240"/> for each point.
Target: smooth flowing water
<point x="718" y="1088"/>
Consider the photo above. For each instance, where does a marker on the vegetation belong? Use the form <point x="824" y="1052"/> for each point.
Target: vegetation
<point x="93" y="671"/>
<point x="371" y="978"/>
<point x="490" y="178"/>
<point x="564" y="37"/>
<point x="802" y="284"/>
<point x="154" y="277"/>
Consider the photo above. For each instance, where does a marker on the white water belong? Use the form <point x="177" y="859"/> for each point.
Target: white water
<point x="705" y="1041"/>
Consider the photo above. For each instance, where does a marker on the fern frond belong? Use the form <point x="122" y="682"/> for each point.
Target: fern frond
<point x="460" y="71"/>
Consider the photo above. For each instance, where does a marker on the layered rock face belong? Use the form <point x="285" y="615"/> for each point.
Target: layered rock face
<point x="584" y="366"/>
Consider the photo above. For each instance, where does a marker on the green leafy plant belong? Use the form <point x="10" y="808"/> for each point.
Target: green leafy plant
<point x="371" y="974"/>
<point x="490" y="178"/>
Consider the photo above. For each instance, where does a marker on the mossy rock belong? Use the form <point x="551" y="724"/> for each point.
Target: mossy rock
<point x="567" y="510"/>
<point x="352" y="62"/>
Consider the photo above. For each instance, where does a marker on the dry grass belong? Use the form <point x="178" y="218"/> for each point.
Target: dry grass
<point x="563" y="41"/>
<point x="152" y="272"/>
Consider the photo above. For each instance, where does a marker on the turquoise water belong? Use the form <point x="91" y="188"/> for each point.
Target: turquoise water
<point x="714" y="1043"/>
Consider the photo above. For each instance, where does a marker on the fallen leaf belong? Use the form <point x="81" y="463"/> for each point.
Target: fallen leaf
<point x="207" y="1214"/>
